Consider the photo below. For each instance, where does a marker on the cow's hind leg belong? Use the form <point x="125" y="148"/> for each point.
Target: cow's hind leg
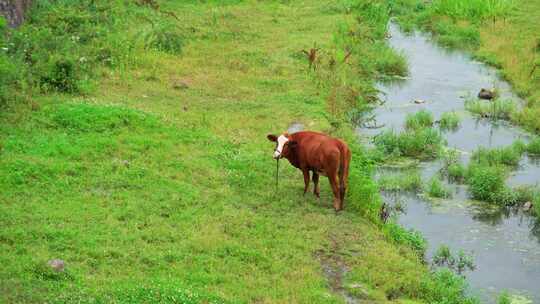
<point x="334" y="183"/>
<point x="306" y="180"/>
<point x="316" y="189"/>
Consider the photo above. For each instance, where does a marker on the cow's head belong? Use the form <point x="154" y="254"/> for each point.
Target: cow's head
<point x="284" y="145"/>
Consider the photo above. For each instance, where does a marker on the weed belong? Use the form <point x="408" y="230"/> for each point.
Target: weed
<point x="508" y="156"/>
<point x="436" y="188"/>
<point x="409" y="180"/>
<point x="419" y="120"/>
<point x="497" y="109"/>
<point x="459" y="264"/>
<point x="533" y="147"/>
<point x="485" y="182"/>
<point x="504" y="298"/>
<point x="444" y="286"/>
<point x="165" y="37"/>
<point x="410" y="238"/>
<point x="449" y="121"/>
<point x="456" y="172"/>
<point x="423" y="143"/>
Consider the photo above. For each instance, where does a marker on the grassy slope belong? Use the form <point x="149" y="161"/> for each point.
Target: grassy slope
<point x="515" y="45"/>
<point x="185" y="194"/>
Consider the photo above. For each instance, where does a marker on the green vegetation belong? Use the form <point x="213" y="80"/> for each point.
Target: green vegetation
<point x="456" y="172"/>
<point x="419" y="120"/>
<point x="423" y="143"/>
<point x="499" y="109"/>
<point x="508" y="156"/>
<point x="404" y="180"/>
<point x="504" y="298"/>
<point x="458" y="263"/>
<point x="500" y="32"/>
<point x="131" y="149"/>
<point x="449" y="121"/>
<point x="436" y="188"/>
<point x="533" y="147"/>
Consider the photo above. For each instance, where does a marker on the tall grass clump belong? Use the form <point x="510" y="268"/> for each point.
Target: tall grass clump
<point x="485" y="182"/>
<point x="502" y="109"/>
<point x="449" y="121"/>
<point x="424" y="143"/>
<point x="436" y="188"/>
<point x="508" y="156"/>
<point x="419" y="120"/>
<point x="408" y="180"/>
<point x="533" y="147"/>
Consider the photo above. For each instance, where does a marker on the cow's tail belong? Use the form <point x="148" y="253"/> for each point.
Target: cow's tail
<point x="345" y="160"/>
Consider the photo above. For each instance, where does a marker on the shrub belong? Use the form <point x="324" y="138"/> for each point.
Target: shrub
<point x="449" y="121"/>
<point x="419" y="120"/>
<point x="436" y="188"/>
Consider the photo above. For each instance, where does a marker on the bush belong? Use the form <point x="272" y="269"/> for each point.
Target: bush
<point x="419" y="120"/>
<point x="459" y="264"/>
<point x="449" y="121"/>
<point x="533" y="147"/>
<point x="436" y="188"/>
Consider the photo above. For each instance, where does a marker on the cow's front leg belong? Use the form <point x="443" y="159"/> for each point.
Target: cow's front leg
<point x="306" y="180"/>
<point x="316" y="189"/>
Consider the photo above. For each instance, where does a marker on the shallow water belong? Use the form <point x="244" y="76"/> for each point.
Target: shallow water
<point x="505" y="243"/>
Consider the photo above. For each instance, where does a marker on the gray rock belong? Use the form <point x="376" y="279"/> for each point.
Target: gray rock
<point x="419" y="101"/>
<point x="527" y="206"/>
<point x="57" y="265"/>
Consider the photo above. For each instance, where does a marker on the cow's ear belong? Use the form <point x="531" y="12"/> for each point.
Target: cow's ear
<point x="271" y="137"/>
<point x="292" y="144"/>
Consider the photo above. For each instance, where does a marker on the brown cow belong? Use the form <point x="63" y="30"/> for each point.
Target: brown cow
<point x="320" y="154"/>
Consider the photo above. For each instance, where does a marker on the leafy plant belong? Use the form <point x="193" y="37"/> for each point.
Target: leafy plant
<point x="436" y="188"/>
<point x="459" y="264"/>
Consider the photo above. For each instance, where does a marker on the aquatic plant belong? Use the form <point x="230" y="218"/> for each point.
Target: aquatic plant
<point x="533" y="147"/>
<point x="484" y="181"/>
<point x="449" y="121"/>
<point x="458" y="263"/>
<point x="502" y="109"/>
<point x="436" y="188"/>
<point x="424" y="143"/>
<point x="419" y="120"/>
<point x="408" y="237"/>
<point x="508" y="156"/>
<point x="407" y="180"/>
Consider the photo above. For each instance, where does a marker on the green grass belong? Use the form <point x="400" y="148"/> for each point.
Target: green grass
<point x="419" y="120"/>
<point x="424" y="143"/>
<point x="408" y="180"/>
<point x="437" y="189"/>
<point x="135" y="183"/>
<point x="533" y="147"/>
<point x="497" y="109"/>
<point x="449" y="121"/>
<point x="508" y="156"/>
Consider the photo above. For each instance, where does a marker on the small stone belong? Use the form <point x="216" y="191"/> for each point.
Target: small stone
<point x="57" y="265"/>
<point x="419" y="101"/>
<point x="527" y="206"/>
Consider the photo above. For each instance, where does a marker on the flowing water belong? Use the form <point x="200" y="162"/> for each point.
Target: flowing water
<point x="505" y="243"/>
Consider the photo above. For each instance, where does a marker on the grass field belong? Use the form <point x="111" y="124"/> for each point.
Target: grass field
<point x="152" y="177"/>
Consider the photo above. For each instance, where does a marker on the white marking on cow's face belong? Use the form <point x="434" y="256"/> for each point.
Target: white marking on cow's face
<point x="282" y="139"/>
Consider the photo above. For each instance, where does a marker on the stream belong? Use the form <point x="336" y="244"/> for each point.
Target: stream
<point x="505" y="243"/>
